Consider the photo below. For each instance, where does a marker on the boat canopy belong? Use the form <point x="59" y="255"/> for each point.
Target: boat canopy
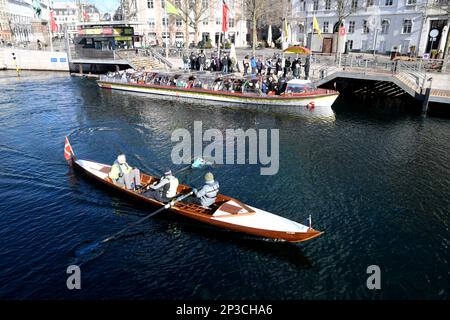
<point x="250" y="84"/>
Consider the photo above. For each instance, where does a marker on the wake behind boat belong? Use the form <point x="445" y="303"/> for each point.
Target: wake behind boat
<point x="226" y="212"/>
<point x="226" y="88"/>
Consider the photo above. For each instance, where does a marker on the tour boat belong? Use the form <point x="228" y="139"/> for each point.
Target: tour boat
<point x="227" y="213"/>
<point x="228" y="89"/>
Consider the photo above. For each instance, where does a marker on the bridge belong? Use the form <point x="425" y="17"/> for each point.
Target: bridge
<point x="423" y="80"/>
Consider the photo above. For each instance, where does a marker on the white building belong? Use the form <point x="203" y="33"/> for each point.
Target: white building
<point x="66" y="17"/>
<point x="373" y="25"/>
<point x="19" y="23"/>
<point x="156" y="26"/>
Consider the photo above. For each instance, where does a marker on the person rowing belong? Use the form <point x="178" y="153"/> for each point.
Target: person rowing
<point x="206" y="196"/>
<point x="124" y="175"/>
<point x="164" y="190"/>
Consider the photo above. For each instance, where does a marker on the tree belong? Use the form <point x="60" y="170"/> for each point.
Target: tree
<point x="344" y="9"/>
<point x="262" y="12"/>
<point x="192" y="12"/>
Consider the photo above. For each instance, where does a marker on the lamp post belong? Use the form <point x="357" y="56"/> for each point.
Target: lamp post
<point x="375" y="41"/>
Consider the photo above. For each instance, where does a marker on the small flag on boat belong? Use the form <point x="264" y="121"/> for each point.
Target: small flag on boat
<point x="68" y="152"/>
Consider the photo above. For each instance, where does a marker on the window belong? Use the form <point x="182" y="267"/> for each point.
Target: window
<point x="165" y="21"/>
<point x="231" y="23"/>
<point x="407" y="26"/>
<point x="328" y="5"/>
<point x="315" y="5"/>
<point x="382" y="46"/>
<point x="364" y="45"/>
<point x="150" y="4"/>
<point x="411" y="2"/>
<point x="385" y="26"/>
<point x="366" y="26"/>
<point x="388" y="2"/>
<point x="369" y="3"/>
<point x="151" y="22"/>
<point x="350" y="44"/>
<point x="218" y="21"/>
<point x="179" y="22"/>
<point x="354" y="4"/>
<point x="325" y="27"/>
<point x="205" y="21"/>
<point x="204" y="4"/>
<point x="163" y="4"/>
<point x="177" y="3"/>
<point x="351" y="26"/>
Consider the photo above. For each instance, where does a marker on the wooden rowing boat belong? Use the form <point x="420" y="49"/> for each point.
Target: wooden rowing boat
<point x="227" y="212"/>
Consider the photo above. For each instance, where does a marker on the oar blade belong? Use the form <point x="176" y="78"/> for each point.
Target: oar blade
<point x="87" y="249"/>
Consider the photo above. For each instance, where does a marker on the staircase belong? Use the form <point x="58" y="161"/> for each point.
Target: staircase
<point x="144" y="63"/>
<point x="143" y="59"/>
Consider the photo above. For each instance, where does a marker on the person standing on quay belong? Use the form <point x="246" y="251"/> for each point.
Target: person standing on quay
<point x="307" y="64"/>
<point x="253" y="64"/>
<point x="246" y="64"/>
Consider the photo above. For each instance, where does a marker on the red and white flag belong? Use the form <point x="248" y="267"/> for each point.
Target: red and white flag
<point x="68" y="152"/>
<point x="53" y="24"/>
<point x="224" y="17"/>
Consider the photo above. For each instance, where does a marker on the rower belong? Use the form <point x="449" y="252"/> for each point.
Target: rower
<point x="166" y="189"/>
<point x="206" y="196"/>
<point x="124" y="175"/>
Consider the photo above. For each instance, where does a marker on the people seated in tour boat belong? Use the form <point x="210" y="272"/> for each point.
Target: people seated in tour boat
<point x="165" y="189"/>
<point x="124" y="175"/>
<point x="206" y="196"/>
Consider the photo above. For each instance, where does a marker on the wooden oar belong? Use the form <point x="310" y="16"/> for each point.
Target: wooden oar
<point x="96" y="245"/>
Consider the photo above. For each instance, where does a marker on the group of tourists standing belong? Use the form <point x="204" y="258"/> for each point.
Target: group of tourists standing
<point x="296" y="67"/>
<point x="274" y="66"/>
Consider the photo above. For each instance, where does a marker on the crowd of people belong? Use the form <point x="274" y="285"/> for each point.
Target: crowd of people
<point x="261" y="66"/>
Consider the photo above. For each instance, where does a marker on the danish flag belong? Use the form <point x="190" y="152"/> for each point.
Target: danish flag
<point x="68" y="152"/>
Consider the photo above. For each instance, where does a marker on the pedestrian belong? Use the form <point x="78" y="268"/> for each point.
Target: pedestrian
<point x="268" y="66"/>
<point x="246" y="64"/>
<point x="306" y="66"/>
<point x="287" y="67"/>
<point x="278" y="67"/>
<point x="259" y="66"/>
<point x="185" y="62"/>
<point x="224" y="64"/>
<point x="201" y="60"/>
<point x="253" y="64"/>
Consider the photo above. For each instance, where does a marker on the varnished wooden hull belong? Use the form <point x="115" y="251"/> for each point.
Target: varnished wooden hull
<point x="227" y="218"/>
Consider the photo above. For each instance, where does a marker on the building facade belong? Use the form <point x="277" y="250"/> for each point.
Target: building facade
<point x="19" y="23"/>
<point x="157" y="26"/>
<point x="380" y="26"/>
<point x="66" y="16"/>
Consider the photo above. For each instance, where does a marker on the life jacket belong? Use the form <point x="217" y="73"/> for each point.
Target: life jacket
<point x="211" y="191"/>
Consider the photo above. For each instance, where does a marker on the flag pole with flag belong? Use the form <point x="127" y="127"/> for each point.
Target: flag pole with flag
<point x="224" y="25"/>
<point x="316" y="26"/>
<point x="68" y="152"/>
<point x="172" y="9"/>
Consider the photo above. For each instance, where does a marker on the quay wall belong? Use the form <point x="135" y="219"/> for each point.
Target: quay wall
<point x="33" y="60"/>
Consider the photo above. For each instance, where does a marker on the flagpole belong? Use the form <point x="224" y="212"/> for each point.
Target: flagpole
<point x="50" y="35"/>
<point x="167" y="32"/>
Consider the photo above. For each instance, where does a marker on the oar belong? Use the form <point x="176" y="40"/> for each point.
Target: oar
<point x="98" y="244"/>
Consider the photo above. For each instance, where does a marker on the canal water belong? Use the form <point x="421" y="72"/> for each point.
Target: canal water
<point x="377" y="184"/>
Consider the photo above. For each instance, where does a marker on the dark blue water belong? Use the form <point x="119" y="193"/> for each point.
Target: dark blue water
<point x="377" y="184"/>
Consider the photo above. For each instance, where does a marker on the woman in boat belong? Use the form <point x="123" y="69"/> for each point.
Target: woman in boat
<point x="124" y="175"/>
<point x="206" y="196"/>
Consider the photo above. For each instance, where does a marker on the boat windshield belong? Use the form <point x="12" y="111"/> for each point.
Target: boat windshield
<point x="299" y="88"/>
<point x="252" y="86"/>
